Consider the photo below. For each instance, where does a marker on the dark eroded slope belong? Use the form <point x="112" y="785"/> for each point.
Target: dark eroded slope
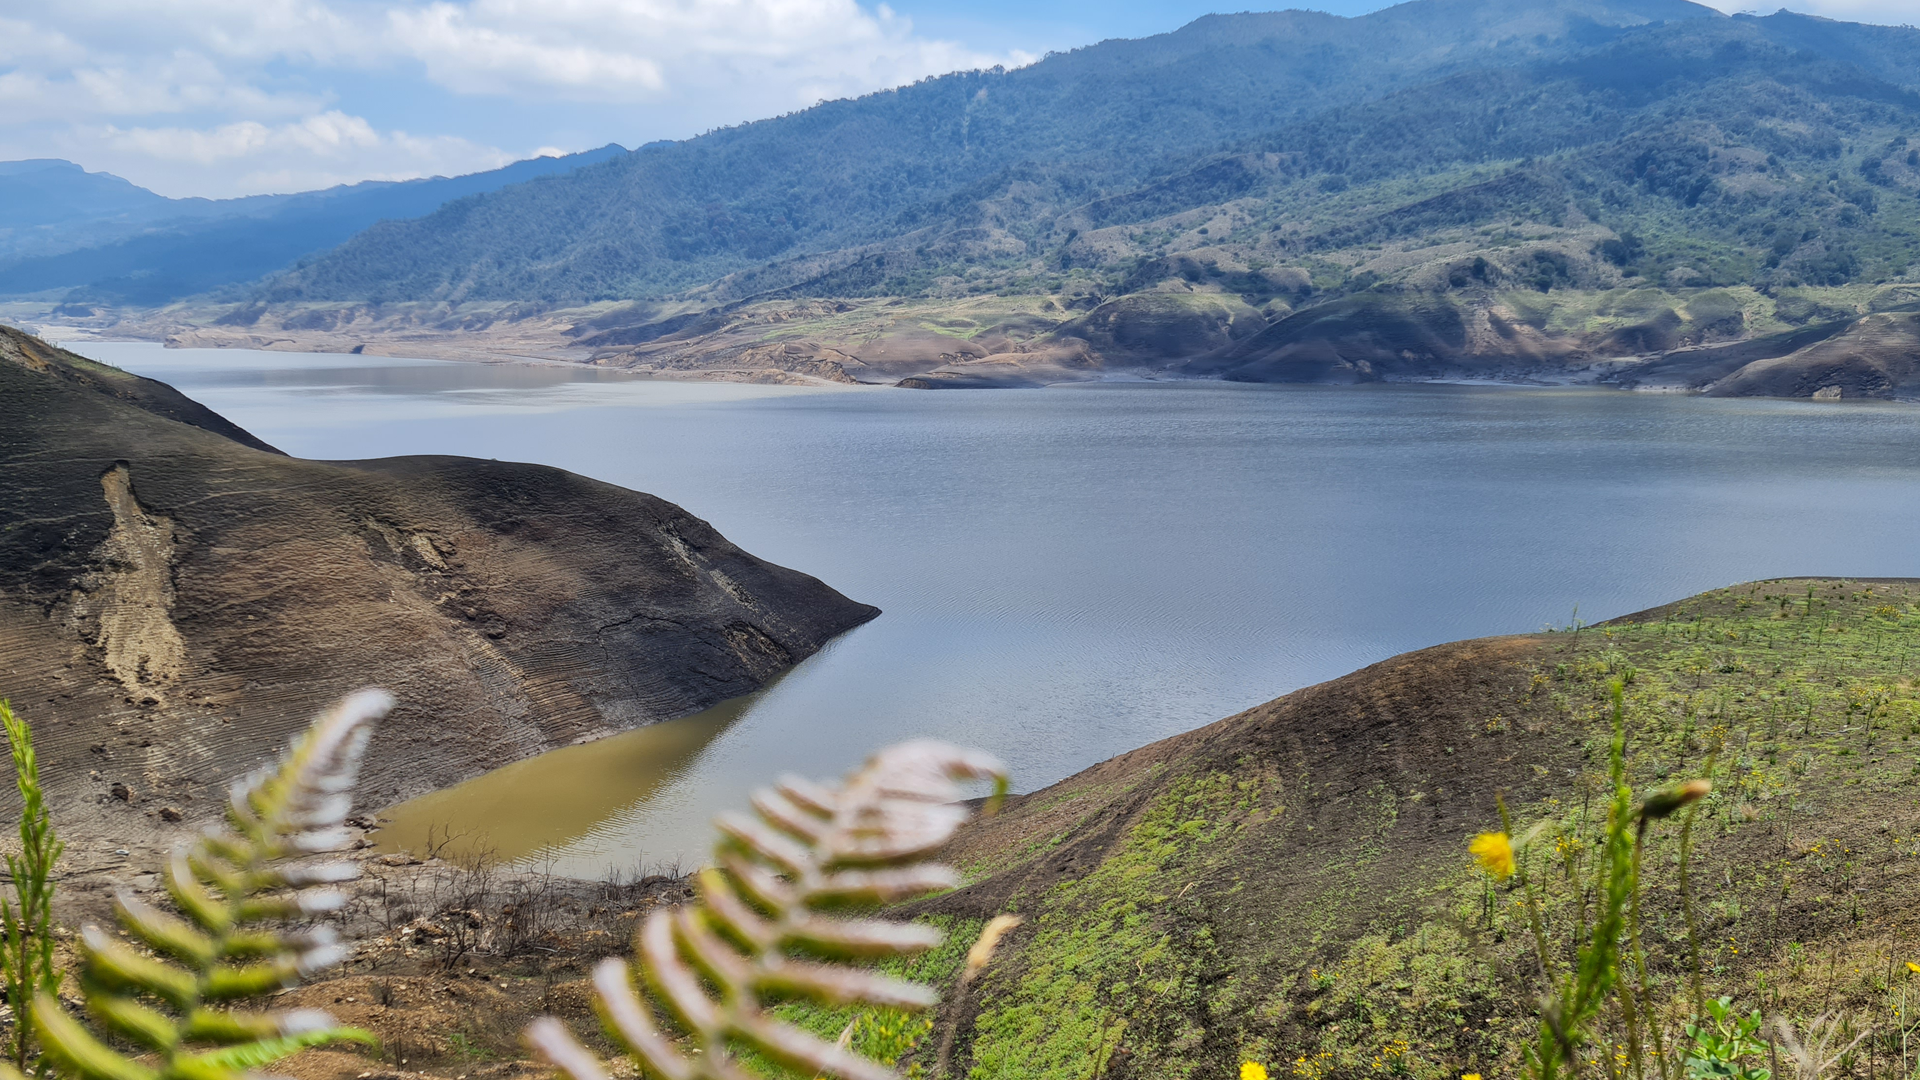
<point x="174" y="601"/>
<point x="1876" y="357"/>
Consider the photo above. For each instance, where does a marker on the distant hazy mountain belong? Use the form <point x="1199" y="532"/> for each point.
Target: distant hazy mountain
<point x="47" y="191"/>
<point x="67" y="228"/>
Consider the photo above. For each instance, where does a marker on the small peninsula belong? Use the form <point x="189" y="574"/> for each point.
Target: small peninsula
<point x="177" y="598"/>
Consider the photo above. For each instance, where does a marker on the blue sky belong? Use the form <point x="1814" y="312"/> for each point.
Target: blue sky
<point x="233" y="97"/>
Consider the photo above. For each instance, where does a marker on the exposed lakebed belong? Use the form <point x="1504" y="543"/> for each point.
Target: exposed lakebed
<point x="1070" y="573"/>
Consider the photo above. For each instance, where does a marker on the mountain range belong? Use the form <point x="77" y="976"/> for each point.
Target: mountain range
<point x="1612" y="190"/>
<point x="1648" y="108"/>
<point x="112" y="242"/>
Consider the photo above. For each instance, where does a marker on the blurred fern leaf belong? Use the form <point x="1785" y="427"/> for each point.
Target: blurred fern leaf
<point x="236" y="890"/>
<point x="766" y="926"/>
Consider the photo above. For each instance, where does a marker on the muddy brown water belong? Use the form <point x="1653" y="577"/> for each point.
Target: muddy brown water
<point x="534" y="808"/>
<point x="1072" y="572"/>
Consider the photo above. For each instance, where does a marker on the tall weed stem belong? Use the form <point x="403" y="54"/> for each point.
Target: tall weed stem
<point x="26" y="957"/>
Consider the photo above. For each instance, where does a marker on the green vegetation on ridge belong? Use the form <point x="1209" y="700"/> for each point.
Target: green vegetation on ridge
<point x="1291" y="886"/>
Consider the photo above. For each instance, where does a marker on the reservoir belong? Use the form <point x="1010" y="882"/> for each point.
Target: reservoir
<point x="1069" y="573"/>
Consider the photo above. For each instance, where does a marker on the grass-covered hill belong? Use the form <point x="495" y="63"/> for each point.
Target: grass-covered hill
<point x="1290" y="154"/>
<point x="1292" y="885"/>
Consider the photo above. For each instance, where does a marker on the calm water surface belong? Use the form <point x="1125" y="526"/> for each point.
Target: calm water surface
<point x="1070" y="573"/>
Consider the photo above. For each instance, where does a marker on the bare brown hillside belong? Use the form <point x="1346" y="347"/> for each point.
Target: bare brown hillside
<point x="176" y="599"/>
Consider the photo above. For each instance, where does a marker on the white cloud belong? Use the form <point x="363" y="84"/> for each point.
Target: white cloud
<point x="22" y="41"/>
<point x="250" y="158"/>
<point x="220" y="96"/>
<point x="316" y="151"/>
<point x="330" y="134"/>
<point x="177" y="81"/>
<point x="788" y="52"/>
<point x="474" y="57"/>
<point x="318" y="31"/>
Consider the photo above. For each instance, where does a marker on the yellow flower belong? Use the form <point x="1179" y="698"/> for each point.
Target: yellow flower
<point x="1495" y="852"/>
<point x="1252" y="1070"/>
<point x="1471" y="1076"/>
<point x="1913" y="967"/>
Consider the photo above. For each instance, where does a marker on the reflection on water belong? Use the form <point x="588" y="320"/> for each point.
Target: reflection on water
<point x="322" y="394"/>
<point x="562" y="797"/>
<point x="416" y="378"/>
<point x="1070" y="573"/>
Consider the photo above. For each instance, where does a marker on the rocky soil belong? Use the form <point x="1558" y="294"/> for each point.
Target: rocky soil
<point x="451" y="960"/>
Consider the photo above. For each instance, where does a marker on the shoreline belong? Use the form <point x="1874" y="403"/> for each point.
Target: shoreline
<point x="466" y="355"/>
<point x="1031" y="341"/>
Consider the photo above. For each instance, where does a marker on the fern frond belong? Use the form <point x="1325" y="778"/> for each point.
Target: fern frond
<point x="233" y="888"/>
<point x="764" y="928"/>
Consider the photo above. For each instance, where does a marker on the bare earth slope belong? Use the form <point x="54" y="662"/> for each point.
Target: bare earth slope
<point x="1847" y="342"/>
<point x="1876" y="357"/>
<point x="176" y="598"/>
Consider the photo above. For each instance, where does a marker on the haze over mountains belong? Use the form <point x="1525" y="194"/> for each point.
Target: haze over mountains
<point x="1486" y="187"/>
<point x="116" y="243"/>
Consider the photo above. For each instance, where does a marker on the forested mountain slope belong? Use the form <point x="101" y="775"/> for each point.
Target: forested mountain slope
<point x="1574" y="190"/>
<point x="1094" y="123"/>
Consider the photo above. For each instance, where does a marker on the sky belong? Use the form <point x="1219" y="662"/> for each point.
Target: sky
<point x="220" y="98"/>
